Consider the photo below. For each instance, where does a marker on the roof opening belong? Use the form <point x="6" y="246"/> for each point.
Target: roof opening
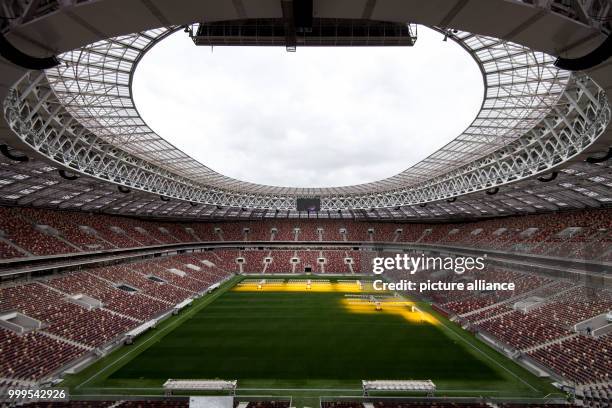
<point x="319" y="117"/>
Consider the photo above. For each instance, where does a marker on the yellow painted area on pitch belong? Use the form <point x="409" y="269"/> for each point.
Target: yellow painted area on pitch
<point x="341" y="287"/>
<point x="401" y="308"/>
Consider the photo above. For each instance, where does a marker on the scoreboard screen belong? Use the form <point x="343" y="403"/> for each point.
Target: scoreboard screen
<point x="308" y="204"/>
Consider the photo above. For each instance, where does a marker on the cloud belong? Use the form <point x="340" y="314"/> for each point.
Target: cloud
<point x="315" y="118"/>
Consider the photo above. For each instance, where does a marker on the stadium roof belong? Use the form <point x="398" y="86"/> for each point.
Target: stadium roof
<point x="535" y="119"/>
<point x="94" y="85"/>
<point x="36" y="183"/>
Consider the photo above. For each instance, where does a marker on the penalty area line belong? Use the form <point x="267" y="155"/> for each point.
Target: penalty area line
<point x="302" y="389"/>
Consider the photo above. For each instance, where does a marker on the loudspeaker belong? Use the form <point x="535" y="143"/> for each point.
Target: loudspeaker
<point x="302" y="15"/>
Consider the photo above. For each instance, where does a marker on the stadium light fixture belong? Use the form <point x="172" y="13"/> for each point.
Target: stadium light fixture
<point x="66" y="175"/>
<point x="8" y="153"/>
<point x="595" y="160"/>
<point x="19" y="58"/>
<point x="550" y="178"/>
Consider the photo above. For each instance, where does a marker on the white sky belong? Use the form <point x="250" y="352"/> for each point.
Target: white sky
<point x="319" y="117"/>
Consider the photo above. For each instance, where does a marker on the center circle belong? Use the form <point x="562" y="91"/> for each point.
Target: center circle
<point x="319" y="117"/>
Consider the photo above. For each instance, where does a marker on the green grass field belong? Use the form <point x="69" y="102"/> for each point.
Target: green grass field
<point x="284" y="341"/>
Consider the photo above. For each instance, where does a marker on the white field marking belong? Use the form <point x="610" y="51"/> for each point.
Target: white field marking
<point x="124" y="388"/>
<point x="99" y="396"/>
<point x="351" y="390"/>
<point x="123" y="356"/>
<point x="289" y="389"/>
<point x="482" y="352"/>
<point x="302" y="389"/>
<point x="245" y="389"/>
<point x="487" y="356"/>
<point x="170" y="325"/>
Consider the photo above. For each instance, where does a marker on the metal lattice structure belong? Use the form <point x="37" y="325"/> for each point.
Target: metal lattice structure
<point x="535" y="119"/>
<point x="82" y="116"/>
<point x="36" y="183"/>
<point x="595" y="13"/>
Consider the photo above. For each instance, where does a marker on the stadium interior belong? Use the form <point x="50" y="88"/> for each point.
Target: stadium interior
<point x="132" y="275"/>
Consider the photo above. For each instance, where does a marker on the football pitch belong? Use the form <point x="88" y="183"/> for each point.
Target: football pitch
<point x="284" y="338"/>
